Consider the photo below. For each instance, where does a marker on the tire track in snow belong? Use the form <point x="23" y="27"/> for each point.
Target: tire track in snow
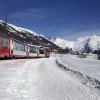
<point x="21" y="83"/>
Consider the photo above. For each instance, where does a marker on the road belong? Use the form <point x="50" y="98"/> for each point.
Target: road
<point x="41" y="79"/>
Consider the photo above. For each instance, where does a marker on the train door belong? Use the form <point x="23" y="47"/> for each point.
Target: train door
<point x="47" y="52"/>
<point x="33" y="51"/>
<point x="41" y="52"/>
<point x="0" y="47"/>
<point x="5" y="47"/>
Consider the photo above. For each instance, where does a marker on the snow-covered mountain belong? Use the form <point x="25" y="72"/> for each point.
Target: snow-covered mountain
<point x="63" y="43"/>
<point x="85" y="44"/>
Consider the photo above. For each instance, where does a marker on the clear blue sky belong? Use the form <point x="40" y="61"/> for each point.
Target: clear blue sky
<point x="68" y="19"/>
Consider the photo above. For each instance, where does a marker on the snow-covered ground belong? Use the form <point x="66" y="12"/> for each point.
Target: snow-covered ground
<point x="90" y="67"/>
<point x="41" y="79"/>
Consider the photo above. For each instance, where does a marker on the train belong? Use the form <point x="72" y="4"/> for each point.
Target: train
<point x="12" y="48"/>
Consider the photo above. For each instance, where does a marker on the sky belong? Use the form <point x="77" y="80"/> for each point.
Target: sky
<point x="66" y="19"/>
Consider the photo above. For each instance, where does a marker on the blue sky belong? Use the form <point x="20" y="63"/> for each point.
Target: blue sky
<point x="68" y="19"/>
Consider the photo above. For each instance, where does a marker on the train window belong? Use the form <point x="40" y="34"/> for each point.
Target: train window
<point x="18" y="46"/>
<point x="15" y="45"/>
<point x="41" y="50"/>
<point x="21" y="47"/>
<point x="4" y="42"/>
<point x="32" y="50"/>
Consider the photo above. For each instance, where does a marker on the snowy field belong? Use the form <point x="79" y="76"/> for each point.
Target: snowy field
<point x="41" y="79"/>
<point x="90" y="67"/>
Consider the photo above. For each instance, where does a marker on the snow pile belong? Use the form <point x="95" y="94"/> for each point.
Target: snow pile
<point x="63" y="43"/>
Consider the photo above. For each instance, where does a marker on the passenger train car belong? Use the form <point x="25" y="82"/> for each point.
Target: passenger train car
<point x="11" y="48"/>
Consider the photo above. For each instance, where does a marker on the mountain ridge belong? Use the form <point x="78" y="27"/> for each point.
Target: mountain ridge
<point x="84" y="44"/>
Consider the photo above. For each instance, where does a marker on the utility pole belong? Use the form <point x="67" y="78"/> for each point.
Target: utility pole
<point x="6" y="17"/>
<point x="6" y="21"/>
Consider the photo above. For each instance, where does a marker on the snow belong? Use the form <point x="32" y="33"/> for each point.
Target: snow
<point x="1" y="21"/>
<point x="41" y="79"/>
<point x="63" y="43"/>
<point x="87" y="66"/>
<point x="42" y="35"/>
<point x="20" y="29"/>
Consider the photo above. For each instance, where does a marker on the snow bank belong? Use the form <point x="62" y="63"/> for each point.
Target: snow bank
<point x="84" y="78"/>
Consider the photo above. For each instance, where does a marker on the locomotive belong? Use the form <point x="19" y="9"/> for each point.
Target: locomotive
<point x="12" y="48"/>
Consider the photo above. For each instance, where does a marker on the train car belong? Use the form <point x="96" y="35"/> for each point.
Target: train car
<point x="19" y="49"/>
<point x="35" y="51"/>
<point x="4" y="47"/>
<point x="32" y="51"/>
<point x="11" y="48"/>
<point x="44" y="52"/>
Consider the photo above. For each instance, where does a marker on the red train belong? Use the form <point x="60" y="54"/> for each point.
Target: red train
<point x="10" y="48"/>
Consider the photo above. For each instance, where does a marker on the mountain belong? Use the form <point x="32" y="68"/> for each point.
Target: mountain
<point x="87" y="44"/>
<point x="25" y="35"/>
<point x="63" y="43"/>
<point x="84" y="44"/>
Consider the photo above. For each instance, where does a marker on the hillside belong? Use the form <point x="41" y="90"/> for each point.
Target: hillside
<point x="25" y="35"/>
